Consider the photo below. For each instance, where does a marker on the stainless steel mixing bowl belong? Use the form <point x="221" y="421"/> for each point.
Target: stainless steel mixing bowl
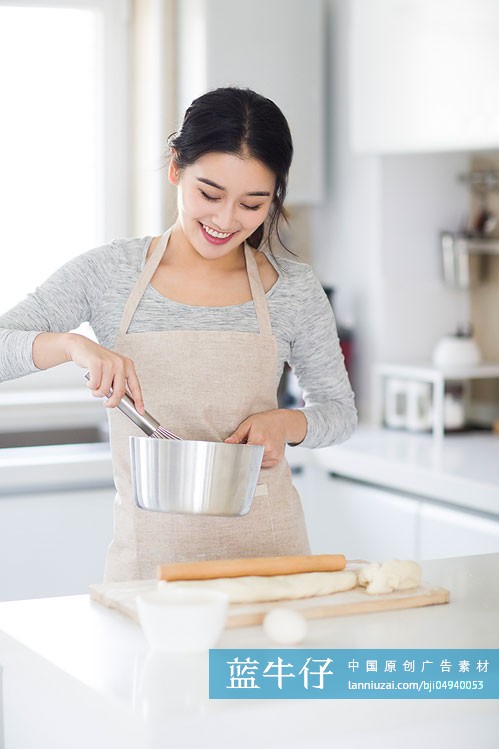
<point x="194" y="477"/>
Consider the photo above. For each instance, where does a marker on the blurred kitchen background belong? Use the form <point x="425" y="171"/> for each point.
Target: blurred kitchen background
<point x="394" y="200"/>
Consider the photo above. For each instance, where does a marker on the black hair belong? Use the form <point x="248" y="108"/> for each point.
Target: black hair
<point x="239" y="121"/>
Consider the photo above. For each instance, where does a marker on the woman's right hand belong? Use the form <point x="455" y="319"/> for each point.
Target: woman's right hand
<point x="107" y="371"/>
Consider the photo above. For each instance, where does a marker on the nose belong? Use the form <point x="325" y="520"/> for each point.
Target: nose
<point x="223" y="217"/>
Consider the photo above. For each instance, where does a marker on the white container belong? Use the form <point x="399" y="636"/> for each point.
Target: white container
<point x="182" y="620"/>
<point x="408" y="404"/>
<point x="395" y="403"/>
<point x="419" y="406"/>
<point x="456" y="351"/>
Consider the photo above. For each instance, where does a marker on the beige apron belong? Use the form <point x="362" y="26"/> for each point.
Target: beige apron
<point x="201" y="385"/>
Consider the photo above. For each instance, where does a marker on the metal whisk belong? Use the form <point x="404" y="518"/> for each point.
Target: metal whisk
<point x="145" y="421"/>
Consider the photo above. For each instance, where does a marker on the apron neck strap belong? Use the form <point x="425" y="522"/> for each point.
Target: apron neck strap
<point x="142" y="282"/>
<point x="257" y="290"/>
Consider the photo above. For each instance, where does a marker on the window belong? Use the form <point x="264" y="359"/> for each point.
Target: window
<point x="64" y="136"/>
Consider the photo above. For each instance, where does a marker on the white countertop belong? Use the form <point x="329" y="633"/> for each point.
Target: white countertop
<point x="88" y="679"/>
<point x="462" y="469"/>
<point x="73" y="466"/>
<point x="55" y="468"/>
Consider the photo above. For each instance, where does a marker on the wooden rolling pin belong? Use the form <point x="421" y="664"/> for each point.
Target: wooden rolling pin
<point x="264" y="566"/>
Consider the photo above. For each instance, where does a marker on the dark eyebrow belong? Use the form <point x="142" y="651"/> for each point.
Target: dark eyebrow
<point x="258" y="194"/>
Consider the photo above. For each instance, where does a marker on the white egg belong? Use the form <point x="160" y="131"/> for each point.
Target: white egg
<point x="285" y="626"/>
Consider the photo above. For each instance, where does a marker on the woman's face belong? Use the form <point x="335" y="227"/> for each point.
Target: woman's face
<point x="222" y="199"/>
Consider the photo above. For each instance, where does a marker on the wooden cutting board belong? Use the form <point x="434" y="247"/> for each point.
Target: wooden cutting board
<point x="122" y="597"/>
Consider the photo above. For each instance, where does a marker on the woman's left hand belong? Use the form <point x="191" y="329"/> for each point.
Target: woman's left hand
<point x="272" y="430"/>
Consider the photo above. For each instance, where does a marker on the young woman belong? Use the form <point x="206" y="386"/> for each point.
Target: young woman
<point x="198" y="323"/>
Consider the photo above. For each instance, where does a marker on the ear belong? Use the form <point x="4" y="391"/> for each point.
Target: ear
<point x="173" y="172"/>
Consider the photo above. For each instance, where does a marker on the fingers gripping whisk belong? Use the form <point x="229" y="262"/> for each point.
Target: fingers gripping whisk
<point x="144" y="421"/>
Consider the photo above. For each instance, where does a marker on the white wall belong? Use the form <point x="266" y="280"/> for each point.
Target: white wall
<point x="273" y="47"/>
<point x="376" y="235"/>
<point x="420" y="196"/>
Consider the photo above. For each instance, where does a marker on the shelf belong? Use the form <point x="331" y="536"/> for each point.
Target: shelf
<point x="437" y="376"/>
<point x="429" y="373"/>
<point x="472" y="245"/>
<point x="41" y="409"/>
<point x="482" y="246"/>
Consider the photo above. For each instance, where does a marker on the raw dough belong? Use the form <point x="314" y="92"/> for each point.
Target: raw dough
<point x="252" y="589"/>
<point x="394" y="574"/>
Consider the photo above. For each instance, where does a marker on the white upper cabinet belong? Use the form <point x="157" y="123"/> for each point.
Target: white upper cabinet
<point x="277" y="48"/>
<point x="424" y="75"/>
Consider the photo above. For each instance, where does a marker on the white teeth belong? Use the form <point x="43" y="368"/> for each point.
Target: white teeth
<point x="217" y="234"/>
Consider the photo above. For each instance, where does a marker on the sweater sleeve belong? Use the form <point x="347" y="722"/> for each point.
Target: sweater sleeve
<point x="318" y="363"/>
<point x="66" y="299"/>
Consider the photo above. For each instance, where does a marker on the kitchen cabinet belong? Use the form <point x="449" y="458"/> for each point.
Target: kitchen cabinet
<point x="450" y="532"/>
<point x="358" y="520"/>
<point x="422" y="75"/>
<point x="53" y="543"/>
<point x="276" y="48"/>
<point x="373" y="522"/>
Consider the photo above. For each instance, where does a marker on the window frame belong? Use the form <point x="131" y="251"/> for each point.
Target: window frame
<point x="116" y="149"/>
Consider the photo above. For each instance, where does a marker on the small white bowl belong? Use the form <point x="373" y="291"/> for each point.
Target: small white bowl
<point x="182" y="620"/>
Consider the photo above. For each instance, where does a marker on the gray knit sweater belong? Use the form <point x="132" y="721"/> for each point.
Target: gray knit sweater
<point x="95" y="286"/>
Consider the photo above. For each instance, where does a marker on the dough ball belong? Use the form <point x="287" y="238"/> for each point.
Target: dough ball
<point x="285" y="626"/>
<point x="368" y="572"/>
<point x="394" y="574"/>
<point x="380" y="584"/>
<point x="402" y="574"/>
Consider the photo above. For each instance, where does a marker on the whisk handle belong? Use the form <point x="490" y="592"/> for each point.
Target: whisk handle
<point x="145" y="421"/>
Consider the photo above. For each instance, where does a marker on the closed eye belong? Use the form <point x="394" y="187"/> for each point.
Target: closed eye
<point x="213" y="199"/>
<point x="208" y="197"/>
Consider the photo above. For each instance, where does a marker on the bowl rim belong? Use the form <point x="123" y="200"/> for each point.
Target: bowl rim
<point x="225" y="445"/>
<point x="180" y="597"/>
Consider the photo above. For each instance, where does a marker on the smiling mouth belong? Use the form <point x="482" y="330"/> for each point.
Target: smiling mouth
<point x="217" y="234"/>
<point x="218" y="237"/>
